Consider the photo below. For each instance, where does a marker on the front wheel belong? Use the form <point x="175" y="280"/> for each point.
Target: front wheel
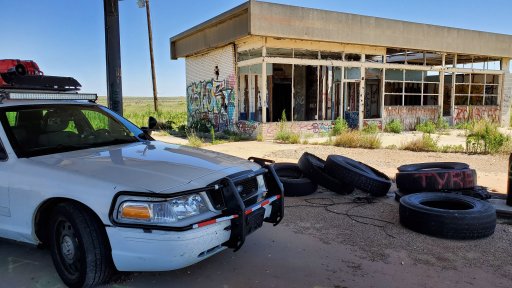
<point x="79" y="246"/>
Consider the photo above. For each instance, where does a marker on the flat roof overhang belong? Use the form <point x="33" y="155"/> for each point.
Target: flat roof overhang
<point x="284" y="21"/>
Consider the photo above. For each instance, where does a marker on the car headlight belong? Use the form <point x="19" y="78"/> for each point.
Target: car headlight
<point x="161" y="211"/>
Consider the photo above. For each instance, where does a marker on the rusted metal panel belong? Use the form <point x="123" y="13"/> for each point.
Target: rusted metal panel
<point x="410" y="116"/>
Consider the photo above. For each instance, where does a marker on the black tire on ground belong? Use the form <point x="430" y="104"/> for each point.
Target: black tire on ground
<point x="430" y="165"/>
<point x="357" y="174"/>
<point x="295" y="184"/>
<point x="313" y="168"/>
<point x="447" y="215"/>
<point x="436" y="177"/>
<point x="79" y="246"/>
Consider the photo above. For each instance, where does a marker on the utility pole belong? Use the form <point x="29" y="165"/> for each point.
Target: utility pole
<point x="145" y="3"/>
<point x="113" y="55"/>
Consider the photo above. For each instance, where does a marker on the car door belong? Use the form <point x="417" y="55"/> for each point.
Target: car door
<point x="4" y="187"/>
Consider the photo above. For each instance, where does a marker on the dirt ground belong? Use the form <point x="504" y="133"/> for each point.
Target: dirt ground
<point x="325" y="239"/>
<point x="383" y="241"/>
<point x="491" y="169"/>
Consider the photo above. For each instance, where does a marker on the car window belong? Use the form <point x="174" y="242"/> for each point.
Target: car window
<point x="51" y="129"/>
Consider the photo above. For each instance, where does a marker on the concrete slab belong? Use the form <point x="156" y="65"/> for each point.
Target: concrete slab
<point x="501" y="207"/>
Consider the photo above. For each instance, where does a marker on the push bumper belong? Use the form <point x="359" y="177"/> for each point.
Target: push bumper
<point x="163" y="250"/>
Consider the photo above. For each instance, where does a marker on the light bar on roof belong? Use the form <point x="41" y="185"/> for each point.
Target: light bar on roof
<point x="49" y="96"/>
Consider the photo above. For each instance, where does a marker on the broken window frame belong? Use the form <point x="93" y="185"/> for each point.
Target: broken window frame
<point x="393" y="83"/>
<point x="470" y="82"/>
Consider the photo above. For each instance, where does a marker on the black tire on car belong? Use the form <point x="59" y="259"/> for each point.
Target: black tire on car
<point x="357" y="174"/>
<point x="442" y="176"/>
<point x="313" y="167"/>
<point x="295" y="184"/>
<point x="79" y="246"/>
<point x="447" y="215"/>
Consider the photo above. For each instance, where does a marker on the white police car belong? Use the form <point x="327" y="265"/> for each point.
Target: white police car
<point x="102" y="195"/>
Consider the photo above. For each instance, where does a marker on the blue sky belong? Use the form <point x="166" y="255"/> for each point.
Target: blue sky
<point x="66" y="37"/>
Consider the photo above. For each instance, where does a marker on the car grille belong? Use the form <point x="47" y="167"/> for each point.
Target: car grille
<point x="248" y="190"/>
<point x="246" y="187"/>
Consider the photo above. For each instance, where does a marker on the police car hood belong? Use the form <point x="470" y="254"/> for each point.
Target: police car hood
<point x="149" y="166"/>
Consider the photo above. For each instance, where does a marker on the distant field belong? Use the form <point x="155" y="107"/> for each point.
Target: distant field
<point x="138" y="109"/>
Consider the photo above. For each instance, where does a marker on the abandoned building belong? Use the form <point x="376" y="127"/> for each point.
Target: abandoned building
<point x="251" y="63"/>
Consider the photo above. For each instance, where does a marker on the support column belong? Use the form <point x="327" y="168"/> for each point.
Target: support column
<point x="324" y="90"/>
<point x="440" y="98"/>
<point x="452" y="103"/>
<point x="362" y="92"/>
<point x="505" y="93"/>
<point x="293" y="92"/>
<point x="383" y="91"/>
<point x="342" y="91"/>
<point x="264" y="91"/>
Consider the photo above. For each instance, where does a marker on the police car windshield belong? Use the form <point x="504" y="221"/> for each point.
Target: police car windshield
<point x="47" y="129"/>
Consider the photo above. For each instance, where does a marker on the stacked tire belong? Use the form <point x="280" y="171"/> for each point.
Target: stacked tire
<point x="454" y="177"/>
<point x="339" y="174"/>
<point x="434" y="200"/>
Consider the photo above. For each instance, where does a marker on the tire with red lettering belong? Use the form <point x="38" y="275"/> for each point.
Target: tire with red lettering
<point x="314" y="168"/>
<point x="447" y="215"/>
<point x="295" y="184"/>
<point x="442" y="176"/>
<point x="431" y="165"/>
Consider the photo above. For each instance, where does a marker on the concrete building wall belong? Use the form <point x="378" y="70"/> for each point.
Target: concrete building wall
<point x="507" y="100"/>
<point x="410" y="116"/>
<point x="284" y="21"/>
<point x="210" y="97"/>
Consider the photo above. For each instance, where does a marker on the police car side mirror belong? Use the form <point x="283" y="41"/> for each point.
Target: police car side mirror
<point x="152" y="122"/>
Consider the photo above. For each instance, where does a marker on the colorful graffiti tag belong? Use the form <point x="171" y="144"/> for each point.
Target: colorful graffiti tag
<point x="466" y="113"/>
<point x="247" y="127"/>
<point x="212" y="101"/>
<point x="306" y="127"/>
<point x="410" y="116"/>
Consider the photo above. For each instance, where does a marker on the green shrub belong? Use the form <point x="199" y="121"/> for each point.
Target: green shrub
<point x="426" y="127"/>
<point x="357" y="139"/>
<point x="442" y="124"/>
<point x="424" y="144"/>
<point x="202" y="126"/>
<point x="194" y="140"/>
<point x="394" y="126"/>
<point x="284" y="134"/>
<point x="463" y="125"/>
<point x="452" y="149"/>
<point x="340" y="126"/>
<point x="484" y="137"/>
<point x="371" y="128"/>
<point x="259" y="136"/>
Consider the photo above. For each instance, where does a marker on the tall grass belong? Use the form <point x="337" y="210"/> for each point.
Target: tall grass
<point x="357" y="139"/>
<point x="172" y="111"/>
<point x="284" y="133"/>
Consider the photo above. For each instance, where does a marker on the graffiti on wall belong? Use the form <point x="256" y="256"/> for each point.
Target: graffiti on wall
<point x="410" y="116"/>
<point x="212" y="101"/>
<point x="377" y="122"/>
<point x="247" y="128"/>
<point x="302" y="127"/>
<point x="467" y="113"/>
